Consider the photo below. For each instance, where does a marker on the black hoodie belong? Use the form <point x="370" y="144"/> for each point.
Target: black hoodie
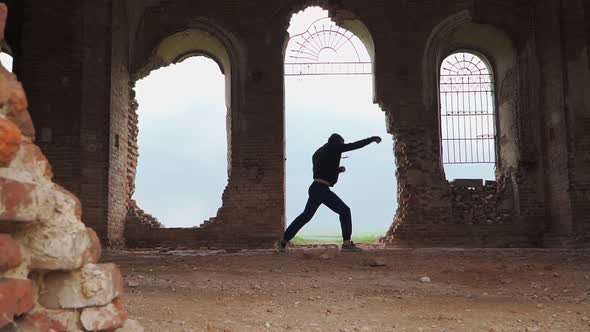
<point x="326" y="160"/>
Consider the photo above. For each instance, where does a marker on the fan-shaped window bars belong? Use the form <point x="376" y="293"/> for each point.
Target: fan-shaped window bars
<point x="326" y="49"/>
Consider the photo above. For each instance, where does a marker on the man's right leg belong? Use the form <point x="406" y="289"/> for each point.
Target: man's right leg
<point x="312" y="205"/>
<point x="310" y="209"/>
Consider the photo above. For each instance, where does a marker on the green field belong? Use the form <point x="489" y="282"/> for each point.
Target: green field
<point x="329" y="238"/>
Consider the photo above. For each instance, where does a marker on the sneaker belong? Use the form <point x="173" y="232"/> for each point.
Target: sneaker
<point x="351" y="247"/>
<point x="281" y="245"/>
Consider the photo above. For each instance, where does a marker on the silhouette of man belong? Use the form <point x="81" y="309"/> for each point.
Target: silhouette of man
<point x="326" y="168"/>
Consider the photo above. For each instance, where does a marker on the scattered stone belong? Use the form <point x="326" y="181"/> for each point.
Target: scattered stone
<point x="376" y="262"/>
<point x="132" y="283"/>
<point x="130" y="326"/>
<point x="107" y="317"/>
<point x="93" y="285"/>
<point x="267" y="325"/>
<point x="323" y="254"/>
<point x="425" y="280"/>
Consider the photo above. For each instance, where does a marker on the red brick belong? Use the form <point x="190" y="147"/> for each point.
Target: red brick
<point x="10" y="255"/>
<point x="10" y="139"/>
<point x="14" y="198"/>
<point x="16" y="298"/>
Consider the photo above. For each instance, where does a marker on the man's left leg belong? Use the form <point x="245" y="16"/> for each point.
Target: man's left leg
<point x="334" y="203"/>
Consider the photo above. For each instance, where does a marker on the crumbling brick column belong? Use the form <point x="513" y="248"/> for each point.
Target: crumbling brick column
<point x="50" y="279"/>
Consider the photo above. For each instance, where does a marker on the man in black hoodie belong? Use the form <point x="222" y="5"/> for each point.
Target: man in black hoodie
<point x="326" y="168"/>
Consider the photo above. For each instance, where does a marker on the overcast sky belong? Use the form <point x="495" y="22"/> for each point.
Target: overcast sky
<point x="6" y="61"/>
<point x="182" y="167"/>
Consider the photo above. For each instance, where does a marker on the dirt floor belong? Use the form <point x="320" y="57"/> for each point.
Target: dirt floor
<point x="319" y="289"/>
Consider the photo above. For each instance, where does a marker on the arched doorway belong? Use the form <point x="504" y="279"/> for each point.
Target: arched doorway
<point x="329" y="89"/>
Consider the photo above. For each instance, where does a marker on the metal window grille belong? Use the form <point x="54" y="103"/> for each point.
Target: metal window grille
<point x="467" y="110"/>
<point x="304" y="51"/>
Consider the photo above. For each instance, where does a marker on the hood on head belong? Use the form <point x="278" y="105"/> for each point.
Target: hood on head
<point x="335" y="139"/>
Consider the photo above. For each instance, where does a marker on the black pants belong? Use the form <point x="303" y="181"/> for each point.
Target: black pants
<point x="321" y="194"/>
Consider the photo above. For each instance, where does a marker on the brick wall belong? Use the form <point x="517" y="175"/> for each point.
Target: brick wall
<point x="51" y="76"/>
<point x="544" y="162"/>
<point x="577" y="57"/>
<point x="121" y="152"/>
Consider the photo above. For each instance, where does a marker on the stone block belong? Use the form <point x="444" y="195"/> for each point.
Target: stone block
<point x="92" y="285"/>
<point x="10" y="140"/>
<point x="66" y="243"/>
<point x="49" y="321"/>
<point x="59" y="249"/>
<point x="73" y="198"/>
<point x="467" y="183"/>
<point x="92" y="254"/>
<point x="35" y="162"/>
<point x="131" y="326"/>
<point x="107" y="317"/>
<point x="16" y="298"/>
<point x="10" y="255"/>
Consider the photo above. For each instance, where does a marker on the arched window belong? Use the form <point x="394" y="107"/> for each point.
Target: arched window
<point x="467" y="116"/>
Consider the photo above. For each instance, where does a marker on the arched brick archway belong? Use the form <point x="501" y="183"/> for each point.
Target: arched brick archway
<point x="202" y="38"/>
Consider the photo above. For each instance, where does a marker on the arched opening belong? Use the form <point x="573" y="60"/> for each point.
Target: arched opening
<point x="329" y="89"/>
<point x="467" y="110"/>
<point x="192" y="104"/>
<point x="182" y="163"/>
<point x="6" y="60"/>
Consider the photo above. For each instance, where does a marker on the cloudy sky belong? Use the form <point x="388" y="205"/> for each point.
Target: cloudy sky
<point x="6" y="61"/>
<point x="183" y="168"/>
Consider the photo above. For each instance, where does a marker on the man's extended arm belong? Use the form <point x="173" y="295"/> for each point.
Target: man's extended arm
<point x="359" y="144"/>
